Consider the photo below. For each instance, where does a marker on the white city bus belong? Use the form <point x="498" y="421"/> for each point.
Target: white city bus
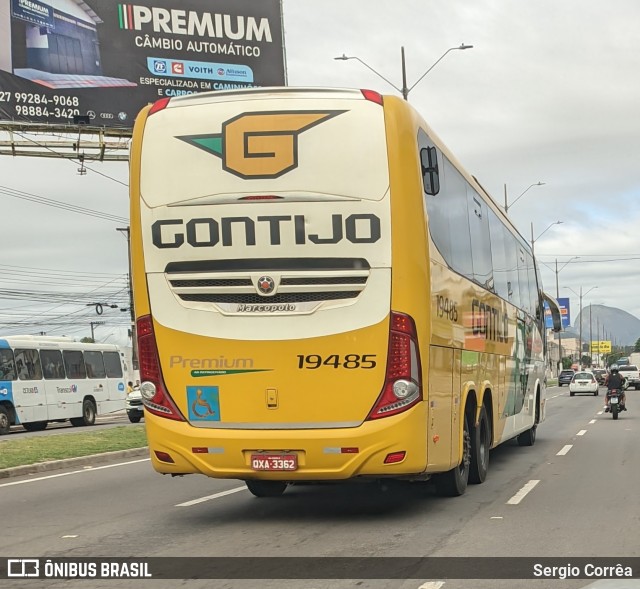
<point x="45" y="379"/>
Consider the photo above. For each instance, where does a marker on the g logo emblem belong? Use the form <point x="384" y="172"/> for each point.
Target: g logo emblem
<point x="266" y="285"/>
<point x="261" y="144"/>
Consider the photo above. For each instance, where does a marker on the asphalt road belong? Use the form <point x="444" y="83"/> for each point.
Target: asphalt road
<point x="572" y="494"/>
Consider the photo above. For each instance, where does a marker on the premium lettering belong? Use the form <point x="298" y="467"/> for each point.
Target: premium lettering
<point x="209" y="363"/>
<point x="192" y="23"/>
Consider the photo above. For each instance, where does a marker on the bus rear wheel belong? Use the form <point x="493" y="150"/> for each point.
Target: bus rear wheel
<point x="527" y="438"/>
<point x="480" y="444"/>
<point x="266" y="488"/>
<point x="88" y="414"/>
<point x="454" y="482"/>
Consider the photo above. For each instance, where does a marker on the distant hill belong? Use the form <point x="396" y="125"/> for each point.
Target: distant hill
<point x="621" y="327"/>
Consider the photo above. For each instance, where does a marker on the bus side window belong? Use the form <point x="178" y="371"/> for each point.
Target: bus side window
<point x="28" y="364"/>
<point x="95" y="364"/>
<point x="430" y="174"/>
<point x="112" y="364"/>
<point x="7" y="365"/>
<point x="74" y="364"/>
<point x="52" y="364"/>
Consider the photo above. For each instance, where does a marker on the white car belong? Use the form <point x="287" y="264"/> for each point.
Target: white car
<point x="134" y="406"/>
<point x="583" y="382"/>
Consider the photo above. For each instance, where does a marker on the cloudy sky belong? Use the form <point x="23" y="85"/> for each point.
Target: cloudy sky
<point x="549" y="93"/>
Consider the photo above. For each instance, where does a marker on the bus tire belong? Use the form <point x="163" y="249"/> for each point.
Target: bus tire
<point x="88" y="414"/>
<point x="134" y="418"/>
<point x="527" y="438"/>
<point x="266" y="488"/>
<point x="5" y="421"/>
<point x="35" y="426"/>
<point x="480" y="444"/>
<point x="454" y="482"/>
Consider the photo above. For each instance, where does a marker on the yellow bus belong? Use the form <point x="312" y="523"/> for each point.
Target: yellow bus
<point x="322" y="293"/>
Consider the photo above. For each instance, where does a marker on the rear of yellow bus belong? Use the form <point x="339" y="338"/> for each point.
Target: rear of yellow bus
<point x="276" y="343"/>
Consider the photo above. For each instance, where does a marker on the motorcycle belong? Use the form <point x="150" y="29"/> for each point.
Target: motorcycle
<point x="615" y="400"/>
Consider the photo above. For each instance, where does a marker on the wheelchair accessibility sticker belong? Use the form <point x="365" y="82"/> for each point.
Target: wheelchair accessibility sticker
<point x="204" y="403"/>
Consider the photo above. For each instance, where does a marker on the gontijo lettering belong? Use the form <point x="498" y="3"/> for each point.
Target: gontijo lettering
<point x="209" y="232"/>
<point x="489" y="322"/>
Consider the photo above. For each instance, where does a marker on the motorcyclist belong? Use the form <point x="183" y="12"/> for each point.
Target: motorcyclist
<point x="615" y="380"/>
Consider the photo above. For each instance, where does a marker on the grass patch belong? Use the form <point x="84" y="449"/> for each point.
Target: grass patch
<point x="59" y="446"/>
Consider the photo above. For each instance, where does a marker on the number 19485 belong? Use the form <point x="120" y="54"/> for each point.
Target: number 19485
<point x="348" y="361"/>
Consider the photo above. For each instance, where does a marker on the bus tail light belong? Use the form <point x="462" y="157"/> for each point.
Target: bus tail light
<point x="403" y="382"/>
<point x="154" y="393"/>
<point x="373" y="96"/>
<point x="159" y="105"/>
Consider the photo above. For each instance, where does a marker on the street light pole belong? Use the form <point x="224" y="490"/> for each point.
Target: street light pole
<point x="557" y="297"/>
<point x="126" y="231"/>
<point x="507" y="205"/>
<point x="533" y="240"/>
<point x="580" y="313"/>
<point x="404" y="90"/>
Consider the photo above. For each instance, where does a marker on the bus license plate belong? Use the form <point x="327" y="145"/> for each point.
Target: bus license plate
<point x="274" y="462"/>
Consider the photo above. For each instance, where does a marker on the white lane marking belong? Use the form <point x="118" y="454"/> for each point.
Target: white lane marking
<point x="71" y="536"/>
<point x="66" y="474"/>
<point x="581" y="432"/>
<point x="592" y="421"/>
<point x="496" y="517"/>
<point x="210" y="497"/>
<point x="565" y="450"/>
<point x="600" y="413"/>
<point x="432" y="585"/>
<point x="522" y="493"/>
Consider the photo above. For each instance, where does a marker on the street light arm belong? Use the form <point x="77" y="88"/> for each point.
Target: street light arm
<point x="345" y="58"/>
<point x="567" y="262"/>
<point x="462" y="46"/>
<point x="547" y="229"/>
<point x="517" y="199"/>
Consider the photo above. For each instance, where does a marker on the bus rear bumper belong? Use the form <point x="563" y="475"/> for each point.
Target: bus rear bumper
<point x="320" y="454"/>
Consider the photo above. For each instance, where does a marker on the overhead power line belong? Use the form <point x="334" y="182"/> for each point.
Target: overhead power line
<point x="12" y="192"/>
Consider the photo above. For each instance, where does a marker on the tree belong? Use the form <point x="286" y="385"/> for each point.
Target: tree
<point x="636" y="348"/>
<point x="87" y="340"/>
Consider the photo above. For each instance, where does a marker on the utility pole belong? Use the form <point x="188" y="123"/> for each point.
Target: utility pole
<point x="93" y="324"/>
<point x="590" y="336"/>
<point x="560" y="363"/>
<point x="580" y="337"/>
<point x="126" y="231"/>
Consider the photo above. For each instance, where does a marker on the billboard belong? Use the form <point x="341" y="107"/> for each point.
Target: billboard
<point x="601" y="347"/>
<point x="565" y="314"/>
<point x="100" y="59"/>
